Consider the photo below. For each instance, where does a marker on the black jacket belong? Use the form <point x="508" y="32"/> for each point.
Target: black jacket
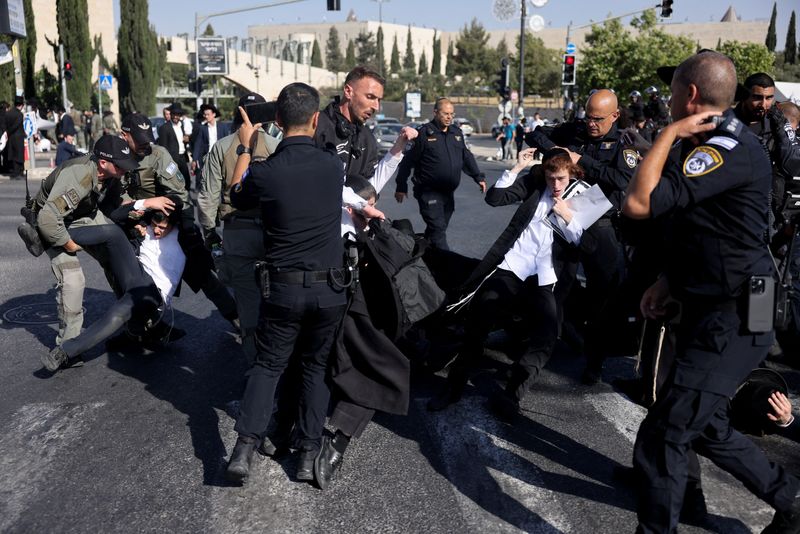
<point x="354" y="143"/>
<point x="437" y="158"/>
<point x="167" y="139"/>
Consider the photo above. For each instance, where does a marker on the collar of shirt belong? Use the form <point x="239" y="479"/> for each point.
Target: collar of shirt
<point x="295" y="140"/>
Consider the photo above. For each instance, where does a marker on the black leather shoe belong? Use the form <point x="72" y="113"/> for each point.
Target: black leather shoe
<point x="787" y="522"/>
<point x="241" y="458"/>
<point x="327" y="463"/>
<point x="305" y="465"/>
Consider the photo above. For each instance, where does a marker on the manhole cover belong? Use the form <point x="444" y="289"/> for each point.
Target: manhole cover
<point x="44" y="313"/>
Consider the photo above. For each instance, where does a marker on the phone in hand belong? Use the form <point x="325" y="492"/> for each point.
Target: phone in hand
<point x="261" y="112"/>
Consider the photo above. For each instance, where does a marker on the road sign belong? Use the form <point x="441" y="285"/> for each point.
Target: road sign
<point x="29" y="124"/>
<point x="12" y="18"/>
<point x="212" y="59"/>
<point x="536" y="23"/>
<point x="571" y="48"/>
<point x="413" y="105"/>
<point x="5" y="54"/>
<point x="106" y="82"/>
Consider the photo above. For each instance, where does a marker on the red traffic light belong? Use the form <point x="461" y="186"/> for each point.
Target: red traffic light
<point x="569" y="60"/>
<point x="67" y="70"/>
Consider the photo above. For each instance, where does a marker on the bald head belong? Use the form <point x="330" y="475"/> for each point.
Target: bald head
<point x="714" y="76"/>
<point x="602" y="110"/>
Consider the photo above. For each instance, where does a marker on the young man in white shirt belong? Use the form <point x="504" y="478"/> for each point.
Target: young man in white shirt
<point x="517" y="277"/>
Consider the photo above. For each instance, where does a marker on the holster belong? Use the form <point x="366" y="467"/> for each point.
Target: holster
<point x="261" y="272"/>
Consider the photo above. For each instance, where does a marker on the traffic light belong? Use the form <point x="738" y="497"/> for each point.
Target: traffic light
<point x="666" y="9"/>
<point x="501" y="82"/>
<point x="68" y="70"/>
<point x="568" y="70"/>
<point x="334" y="5"/>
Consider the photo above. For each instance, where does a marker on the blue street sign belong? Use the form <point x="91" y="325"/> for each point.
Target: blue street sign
<point x="106" y="82"/>
<point x="571" y="48"/>
<point x="27" y="125"/>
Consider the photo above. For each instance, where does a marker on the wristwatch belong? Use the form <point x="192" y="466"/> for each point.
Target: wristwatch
<point x="241" y="149"/>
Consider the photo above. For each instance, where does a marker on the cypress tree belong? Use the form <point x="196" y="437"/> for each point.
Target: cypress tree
<point x="7" y="83"/>
<point x="333" y="53"/>
<point x="380" y="55"/>
<point x="394" y="63"/>
<point x="137" y="58"/>
<point x="423" y="64"/>
<point x="350" y="55"/>
<point x="209" y="31"/>
<point x="436" y="60"/>
<point x="72" y="17"/>
<point x="365" y="49"/>
<point x="790" y="49"/>
<point x="27" y="53"/>
<point x="771" y="38"/>
<point x="451" y="64"/>
<point x="316" y="55"/>
<point x="409" y="63"/>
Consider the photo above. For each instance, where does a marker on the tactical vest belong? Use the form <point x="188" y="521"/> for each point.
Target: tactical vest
<point x="87" y="205"/>
<point x="229" y="164"/>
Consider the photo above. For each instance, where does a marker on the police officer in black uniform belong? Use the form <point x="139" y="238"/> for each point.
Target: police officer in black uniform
<point x="302" y="305"/>
<point x="596" y="146"/>
<point x="438" y="157"/>
<point x="718" y="201"/>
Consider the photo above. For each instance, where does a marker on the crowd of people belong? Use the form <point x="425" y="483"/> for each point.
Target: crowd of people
<point x="695" y="203"/>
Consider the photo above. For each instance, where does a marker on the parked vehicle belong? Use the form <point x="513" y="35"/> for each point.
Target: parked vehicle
<point x="465" y="125"/>
<point x="386" y="135"/>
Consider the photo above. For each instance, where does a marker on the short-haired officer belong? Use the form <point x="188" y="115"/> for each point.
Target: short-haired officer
<point x="302" y="307"/>
<point x="718" y="201"/>
<point x="242" y="240"/>
<point x="438" y="156"/>
<point x="157" y="176"/>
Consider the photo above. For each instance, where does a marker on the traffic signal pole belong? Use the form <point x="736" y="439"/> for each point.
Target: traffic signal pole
<point x="64" y="99"/>
<point x="523" y="13"/>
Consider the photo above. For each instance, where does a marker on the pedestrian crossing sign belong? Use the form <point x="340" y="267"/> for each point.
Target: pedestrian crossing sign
<point x="106" y="81"/>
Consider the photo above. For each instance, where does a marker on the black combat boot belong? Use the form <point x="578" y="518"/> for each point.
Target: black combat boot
<point x="241" y="458"/>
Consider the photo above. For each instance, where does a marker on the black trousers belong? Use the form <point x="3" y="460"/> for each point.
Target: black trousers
<point x="501" y="297"/>
<point x="139" y="299"/>
<point x="301" y="320"/>
<point x="436" y="209"/>
<point x="691" y="413"/>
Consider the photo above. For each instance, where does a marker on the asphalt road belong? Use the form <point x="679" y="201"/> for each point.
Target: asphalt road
<point x="138" y="442"/>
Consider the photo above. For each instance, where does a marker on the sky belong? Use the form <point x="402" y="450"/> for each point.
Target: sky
<point x="171" y="17"/>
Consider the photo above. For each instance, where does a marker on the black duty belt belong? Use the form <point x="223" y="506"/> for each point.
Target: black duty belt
<point x="240" y="218"/>
<point x="298" y="277"/>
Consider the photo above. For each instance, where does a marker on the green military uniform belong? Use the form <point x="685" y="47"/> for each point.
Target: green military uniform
<point x="68" y="199"/>
<point x="242" y="242"/>
<point x="80" y="126"/>
<point x="97" y="127"/>
<point x="110" y="125"/>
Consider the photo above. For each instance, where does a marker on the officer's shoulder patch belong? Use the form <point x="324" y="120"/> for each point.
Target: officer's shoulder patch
<point x="631" y="157"/>
<point x="702" y="160"/>
<point x="607" y="145"/>
<point x="172" y="168"/>
<point x="458" y="137"/>
<point x="73" y="198"/>
<point x="725" y="142"/>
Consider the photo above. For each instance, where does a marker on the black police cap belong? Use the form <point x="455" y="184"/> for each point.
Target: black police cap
<point x="139" y="127"/>
<point x="116" y="150"/>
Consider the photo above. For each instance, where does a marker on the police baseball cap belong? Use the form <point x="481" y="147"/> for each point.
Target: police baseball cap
<point x="139" y="127"/>
<point x="116" y="150"/>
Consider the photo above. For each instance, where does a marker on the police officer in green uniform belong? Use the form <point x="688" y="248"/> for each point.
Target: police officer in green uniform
<point x="69" y="220"/>
<point x="718" y="199"/>
<point x="242" y="242"/>
<point x="157" y="175"/>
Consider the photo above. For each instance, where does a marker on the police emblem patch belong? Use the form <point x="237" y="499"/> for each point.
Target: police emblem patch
<point x="631" y="157"/>
<point x="73" y="198"/>
<point x="458" y="138"/>
<point x="171" y="168"/>
<point x="702" y="160"/>
<point x="608" y="145"/>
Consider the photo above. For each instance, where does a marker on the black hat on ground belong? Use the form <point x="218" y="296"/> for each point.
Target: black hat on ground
<point x="176" y="109"/>
<point x="750" y="405"/>
<point x="116" y="150"/>
<point x="139" y="127"/>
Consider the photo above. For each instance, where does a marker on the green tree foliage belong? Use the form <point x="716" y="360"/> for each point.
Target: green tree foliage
<point x="474" y="60"/>
<point x="449" y="70"/>
<point x="48" y="90"/>
<point x="365" y="48"/>
<point x="209" y="31"/>
<point x="350" y="55"/>
<point x="394" y="62"/>
<point x="436" y="60"/>
<point x="786" y="72"/>
<point x="380" y="53"/>
<point x="409" y="63"/>
<point x="423" y="64"/>
<point x="748" y="58"/>
<point x="72" y="17"/>
<point x="608" y="61"/>
<point x="316" y="55"/>
<point x="333" y="54"/>
<point x="542" y="67"/>
<point x="790" y="48"/>
<point x="137" y="58"/>
<point x="772" y="39"/>
<point x="27" y="52"/>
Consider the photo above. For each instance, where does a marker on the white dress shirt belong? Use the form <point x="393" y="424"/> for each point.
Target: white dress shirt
<point x="179" y="136"/>
<point x="212" y="135"/>
<point x="164" y="260"/>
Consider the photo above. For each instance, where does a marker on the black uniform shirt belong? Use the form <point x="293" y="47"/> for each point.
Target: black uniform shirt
<point x="437" y="157"/>
<point x="719" y="197"/>
<point x="299" y="188"/>
<point x="354" y="143"/>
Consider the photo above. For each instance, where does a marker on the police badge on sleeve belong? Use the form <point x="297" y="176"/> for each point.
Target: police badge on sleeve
<point x="702" y="160"/>
<point x="631" y="157"/>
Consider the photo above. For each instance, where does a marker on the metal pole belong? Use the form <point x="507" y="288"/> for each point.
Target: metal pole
<point x="99" y="96"/>
<point x="19" y="86"/>
<point x="64" y="99"/>
<point x="522" y="54"/>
